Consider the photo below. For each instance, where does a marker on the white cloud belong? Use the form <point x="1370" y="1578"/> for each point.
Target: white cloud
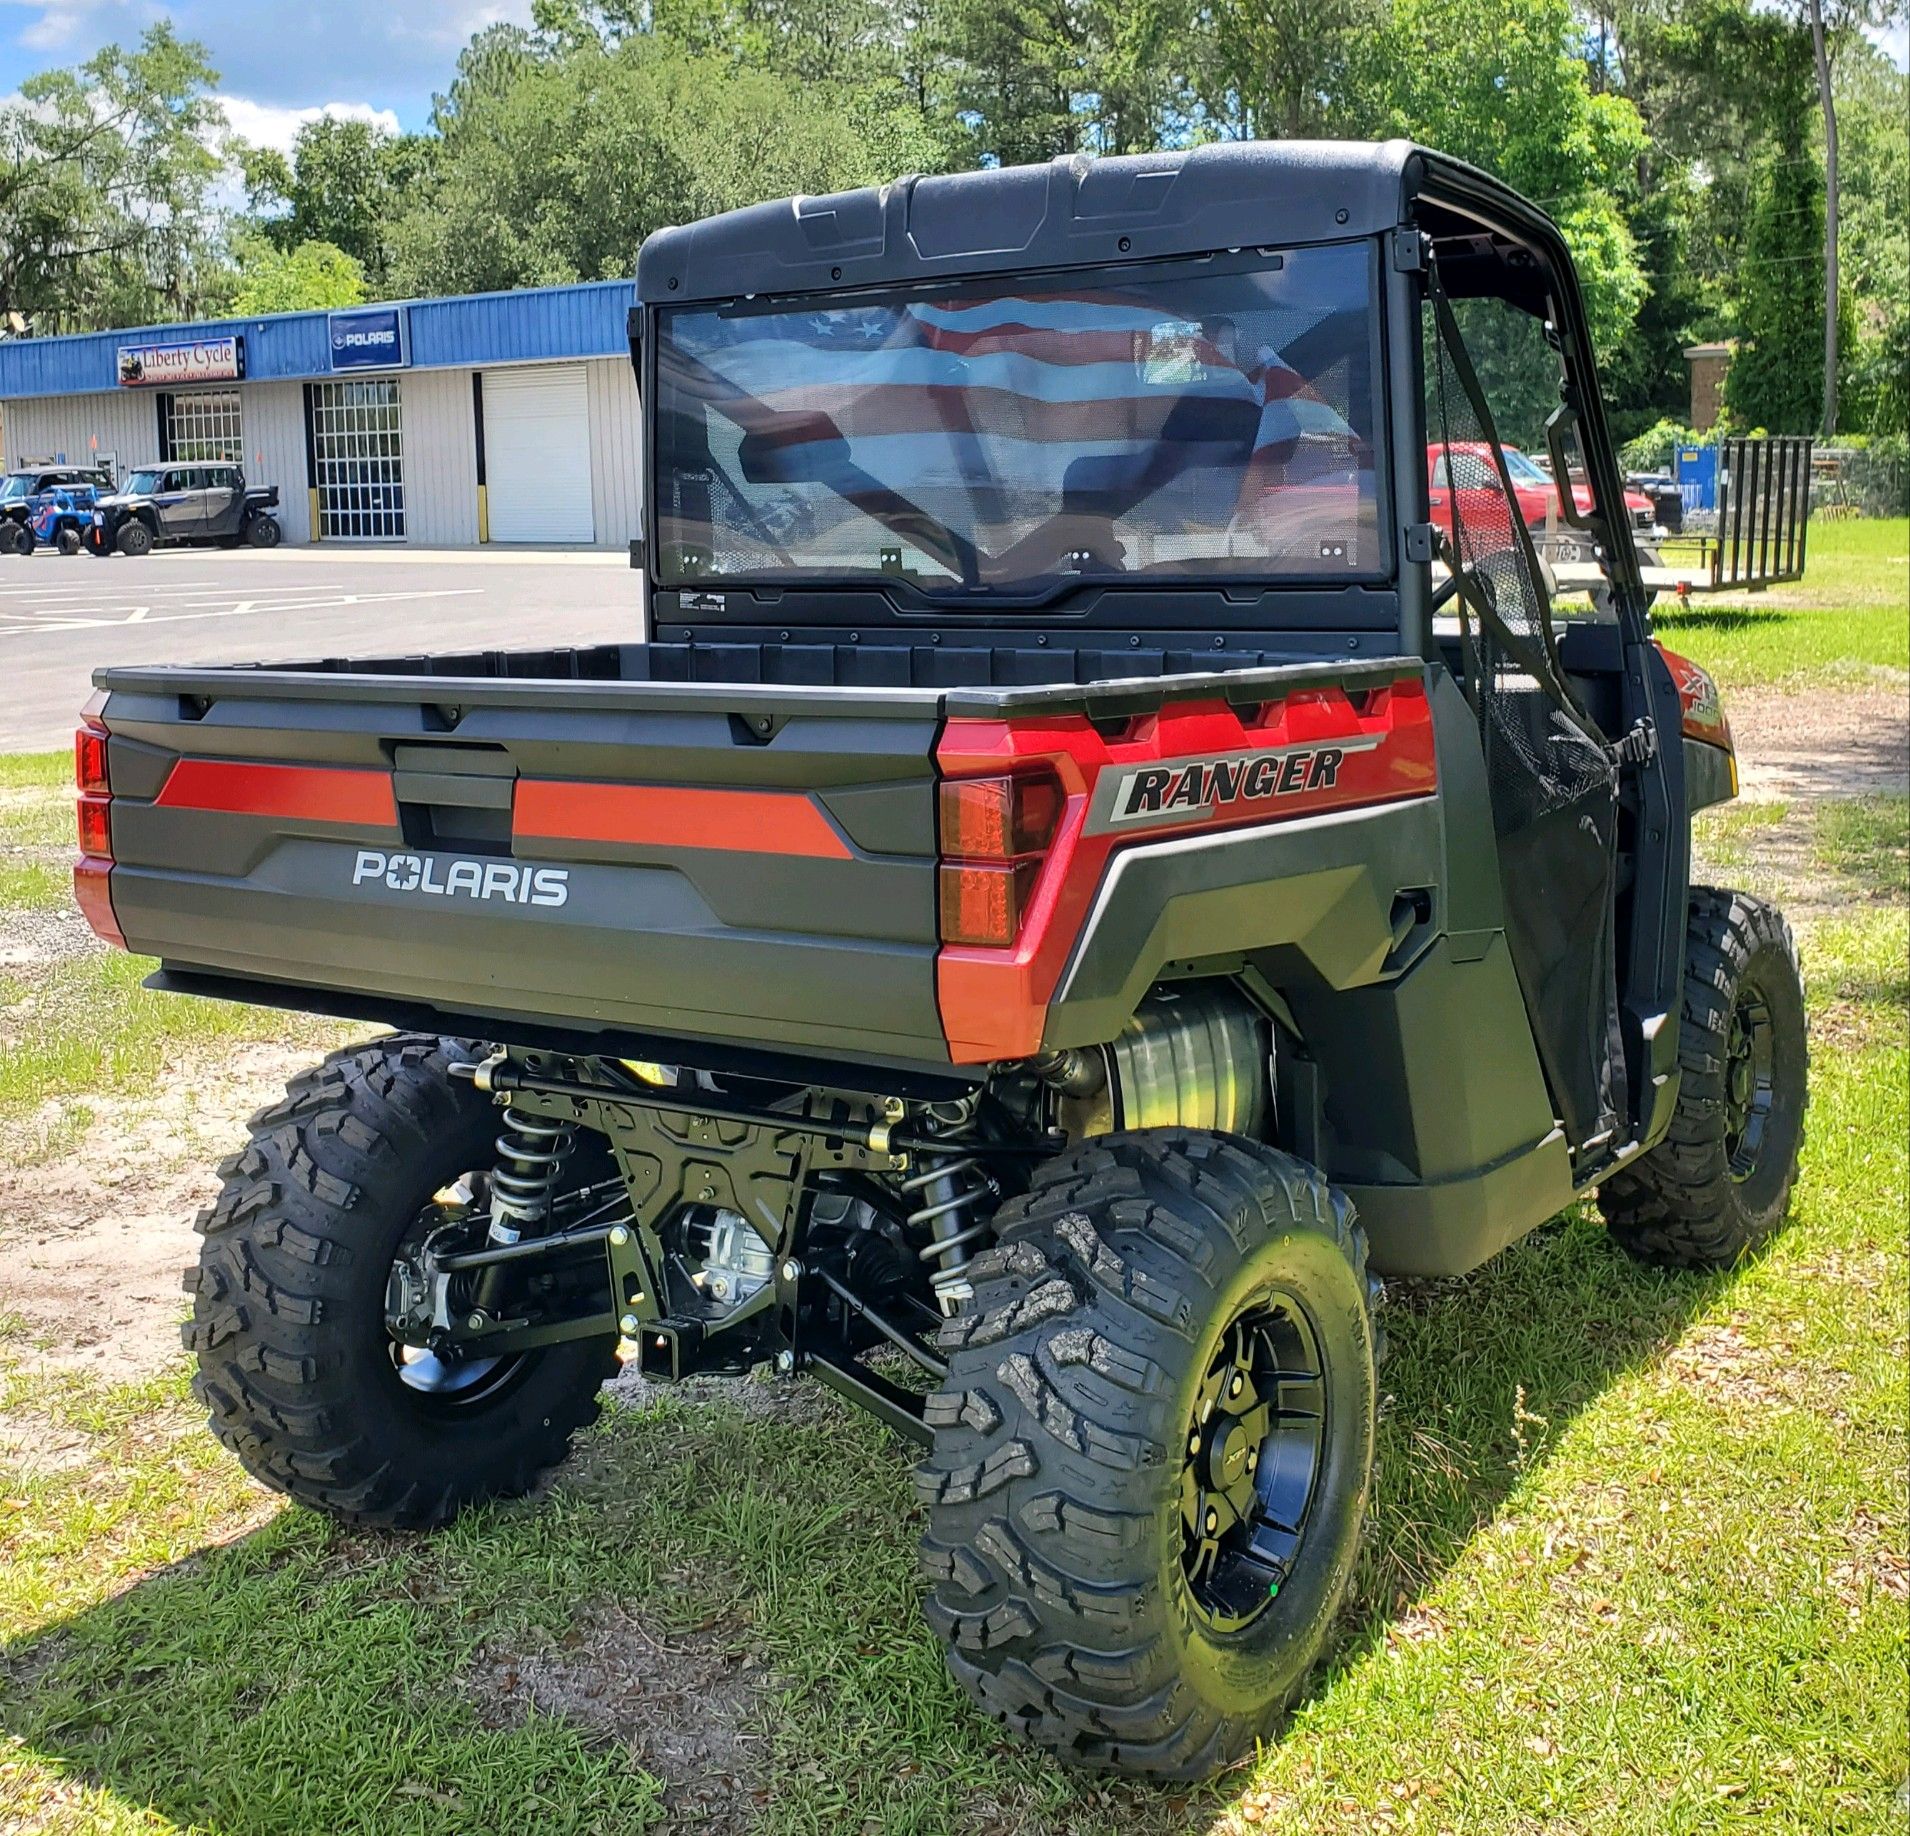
<point x="265" y="125"/>
<point x="76" y="25"/>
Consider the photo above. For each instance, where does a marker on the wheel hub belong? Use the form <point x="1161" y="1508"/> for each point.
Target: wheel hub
<point x="1253" y="1456"/>
<point x="1749" y="1085"/>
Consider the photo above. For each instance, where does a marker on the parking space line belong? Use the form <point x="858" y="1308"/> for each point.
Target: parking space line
<point x="146" y="616"/>
<point x="25" y="592"/>
<point x="291" y="599"/>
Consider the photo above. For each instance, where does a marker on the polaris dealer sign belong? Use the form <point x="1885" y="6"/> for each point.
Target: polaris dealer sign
<point x="142" y="366"/>
<point x="373" y="340"/>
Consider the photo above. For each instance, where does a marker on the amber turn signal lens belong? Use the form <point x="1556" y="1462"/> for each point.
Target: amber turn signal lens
<point x="996" y="819"/>
<point x="982" y="904"/>
<point x="89" y="760"/>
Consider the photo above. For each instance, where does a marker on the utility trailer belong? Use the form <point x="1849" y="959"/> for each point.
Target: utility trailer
<point x="1085" y="877"/>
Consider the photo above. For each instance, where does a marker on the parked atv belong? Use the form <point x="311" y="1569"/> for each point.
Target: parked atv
<point x="60" y="517"/>
<point x="184" y="504"/>
<point x="26" y="492"/>
<point x="1085" y="875"/>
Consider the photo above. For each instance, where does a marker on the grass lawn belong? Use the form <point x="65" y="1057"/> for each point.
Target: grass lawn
<point x="1848" y="619"/>
<point x="1638" y="1554"/>
<point x="78" y="1023"/>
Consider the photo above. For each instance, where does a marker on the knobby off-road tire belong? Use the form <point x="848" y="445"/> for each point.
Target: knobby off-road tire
<point x="295" y="1366"/>
<point x="1055" y="1548"/>
<point x="1719" y="1184"/>
<point x="135" y="539"/>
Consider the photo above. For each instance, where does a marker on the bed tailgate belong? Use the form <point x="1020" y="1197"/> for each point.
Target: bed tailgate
<point x="750" y="865"/>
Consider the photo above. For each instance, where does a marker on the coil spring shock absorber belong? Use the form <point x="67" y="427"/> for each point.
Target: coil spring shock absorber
<point x="530" y="1160"/>
<point x="943" y="1195"/>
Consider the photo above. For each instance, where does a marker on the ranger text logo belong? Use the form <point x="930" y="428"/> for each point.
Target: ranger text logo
<point x="1200" y="787"/>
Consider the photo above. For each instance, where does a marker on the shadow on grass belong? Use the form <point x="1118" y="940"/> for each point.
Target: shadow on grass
<point x="1668" y="616"/>
<point x="307" y="1678"/>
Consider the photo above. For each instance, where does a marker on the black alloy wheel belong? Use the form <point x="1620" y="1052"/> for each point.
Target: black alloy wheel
<point x="1749" y="1089"/>
<point x="1253" y="1460"/>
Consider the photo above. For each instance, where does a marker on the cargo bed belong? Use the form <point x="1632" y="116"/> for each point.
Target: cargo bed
<point x="735" y="843"/>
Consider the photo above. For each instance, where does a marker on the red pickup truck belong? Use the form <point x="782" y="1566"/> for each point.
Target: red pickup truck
<point x="1461" y="477"/>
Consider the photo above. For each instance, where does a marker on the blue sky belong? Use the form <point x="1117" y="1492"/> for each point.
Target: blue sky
<point x="277" y="63"/>
<point x="282" y="63"/>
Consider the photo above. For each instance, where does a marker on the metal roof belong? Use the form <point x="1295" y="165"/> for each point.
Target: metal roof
<point x="588" y="319"/>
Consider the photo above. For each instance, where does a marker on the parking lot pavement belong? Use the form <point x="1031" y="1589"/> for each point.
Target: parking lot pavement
<point x="62" y="616"/>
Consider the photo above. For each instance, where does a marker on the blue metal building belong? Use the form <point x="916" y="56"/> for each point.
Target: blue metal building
<point x="496" y="417"/>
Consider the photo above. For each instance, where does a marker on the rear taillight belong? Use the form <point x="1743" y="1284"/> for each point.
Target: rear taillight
<point x="89" y="760"/>
<point x="96" y="827"/>
<point x="994" y="833"/>
<point x="93" y="872"/>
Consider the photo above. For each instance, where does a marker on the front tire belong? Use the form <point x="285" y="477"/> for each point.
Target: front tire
<point x="68" y="541"/>
<point x="1719" y="1184"/>
<point x="135" y="539"/>
<point x="1153" y="1451"/>
<point x="296" y="1368"/>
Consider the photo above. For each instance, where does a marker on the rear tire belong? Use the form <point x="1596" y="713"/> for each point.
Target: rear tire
<point x="15" y="539"/>
<point x="135" y="539"/>
<point x="1084" y="1434"/>
<point x="1719" y="1184"/>
<point x="69" y="541"/>
<point x="288" y="1323"/>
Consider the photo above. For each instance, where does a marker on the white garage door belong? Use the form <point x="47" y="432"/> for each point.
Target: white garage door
<point x="537" y="455"/>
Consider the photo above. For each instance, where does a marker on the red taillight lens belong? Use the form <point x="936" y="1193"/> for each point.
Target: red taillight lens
<point x="96" y="827"/>
<point x="999" y="819"/>
<point x="92" y="880"/>
<point x="89" y="760"/>
<point x="983" y="902"/>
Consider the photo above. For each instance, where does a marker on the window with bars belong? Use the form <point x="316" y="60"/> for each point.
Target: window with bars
<point x="358" y="465"/>
<point x="206" y="425"/>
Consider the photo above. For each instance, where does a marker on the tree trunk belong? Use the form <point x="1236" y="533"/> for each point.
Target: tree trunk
<point x="1822" y="52"/>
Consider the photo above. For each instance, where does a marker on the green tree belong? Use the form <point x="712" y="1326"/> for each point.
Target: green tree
<point x="1500" y="83"/>
<point x="1776" y="379"/>
<point x="1873" y="106"/>
<point x="344" y="184"/>
<point x="1025" y="80"/>
<point x="1265" y="68"/>
<point x="106" y="173"/>
<point x="554" y="166"/>
<point x="312" y="275"/>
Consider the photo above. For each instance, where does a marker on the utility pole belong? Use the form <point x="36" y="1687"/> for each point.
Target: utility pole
<point x="1821" y="51"/>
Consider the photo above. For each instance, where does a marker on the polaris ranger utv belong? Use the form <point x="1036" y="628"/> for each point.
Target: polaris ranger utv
<point x="1085" y="877"/>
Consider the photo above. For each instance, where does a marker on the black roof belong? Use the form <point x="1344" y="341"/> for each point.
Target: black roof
<point x="1073" y="211"/>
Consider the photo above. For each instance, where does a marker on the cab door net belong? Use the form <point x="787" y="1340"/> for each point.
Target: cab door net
<point x="1552" y="776"/>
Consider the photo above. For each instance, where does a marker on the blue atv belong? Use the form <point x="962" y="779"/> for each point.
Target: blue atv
<point x="59" y="517"/>
<point x="48" y="506"/>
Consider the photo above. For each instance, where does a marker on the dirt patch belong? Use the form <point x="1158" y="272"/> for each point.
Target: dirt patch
<point x="783" y="1400"/>
<point x="33" y="939"/>
<point x="94" y="1238"/>
<point x="681" y="1705"/>
<point x="36" y="1448"/>
<point x="1803" y="750"/>
<point x="1835" y="741"/>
